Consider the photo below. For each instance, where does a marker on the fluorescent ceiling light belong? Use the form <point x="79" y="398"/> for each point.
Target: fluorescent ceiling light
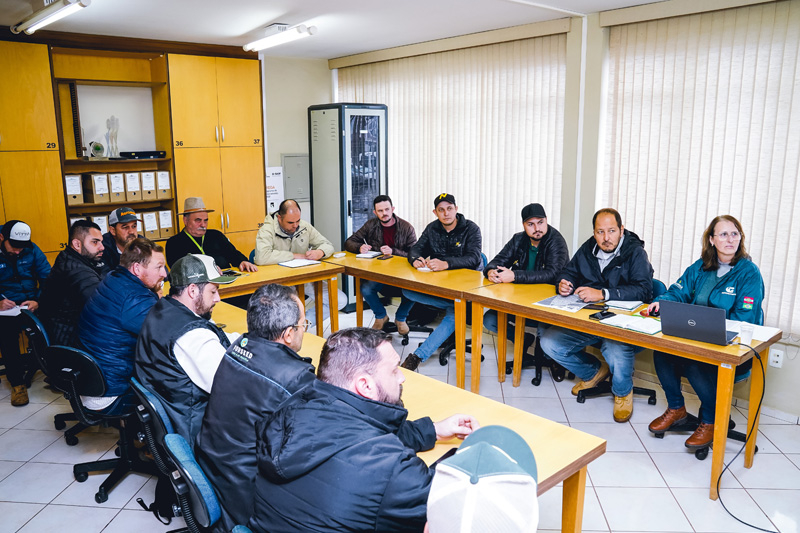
<point x="284" y="35"/>
<point x="55" y="11"/>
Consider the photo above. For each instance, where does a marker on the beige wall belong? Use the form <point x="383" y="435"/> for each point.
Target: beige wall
<point x="290" y="86"/>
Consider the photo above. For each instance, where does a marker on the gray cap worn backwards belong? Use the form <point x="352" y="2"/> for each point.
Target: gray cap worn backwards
<point x="196" y="268"/>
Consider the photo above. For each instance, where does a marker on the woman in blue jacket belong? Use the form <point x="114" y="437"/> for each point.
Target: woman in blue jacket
<point x="726" y="278"/>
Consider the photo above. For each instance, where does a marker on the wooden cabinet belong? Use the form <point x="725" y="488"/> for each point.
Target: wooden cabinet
<point x="215" y="101"/>
<point x="243" y="188"/>
<point x="198" y="173"/>
<point x="27" y="112"/>
<point x="33" y="192"/>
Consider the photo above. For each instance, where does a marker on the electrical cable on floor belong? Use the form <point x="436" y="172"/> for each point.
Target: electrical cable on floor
<point x="746" y="440"/>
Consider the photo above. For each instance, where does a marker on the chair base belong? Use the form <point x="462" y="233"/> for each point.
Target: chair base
<point x="70" y="435"/>
<point x="605" y="388"/>
<point x="691" y="423"/>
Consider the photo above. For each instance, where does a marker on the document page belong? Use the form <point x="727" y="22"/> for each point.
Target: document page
<point x="294" y="263"/>
<point x="571" y="303"/>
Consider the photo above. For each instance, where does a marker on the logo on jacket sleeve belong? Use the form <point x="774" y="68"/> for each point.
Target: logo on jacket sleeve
<point x="748" y="302"/>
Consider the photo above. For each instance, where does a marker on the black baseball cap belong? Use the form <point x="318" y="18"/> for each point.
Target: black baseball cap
<point x="444" y="197"/>
<point x="533" y="211"/>
<point x="17" y="233"/>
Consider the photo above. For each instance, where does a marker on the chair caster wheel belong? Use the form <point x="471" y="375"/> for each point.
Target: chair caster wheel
<point x="443" y="359"/>
<point x="701" y="453"/>
<point x="60" y="424"/>
<point x="117" y="452"/>
<point x="536" y="381"/>
<point x="101" y="496"/>
<point x="482" y="358"/>
<point x="581" y="398"/>
<point x="72" y="440"/>
<point x="651" y="400"/>
<point x="404" y="342"/>
<point x="80" y="477"/>
<point x="659" y="434"/>
<point x="558" y="378"/>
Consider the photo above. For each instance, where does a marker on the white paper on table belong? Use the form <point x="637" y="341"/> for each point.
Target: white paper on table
<point x="369" y="255"/>
<point x="294" y="263"/>
<point x="165" y="219"/>
<point x="760" y="333"/>
<point x="73" y="184"/>
<point x="424" y="269"/>
<point x="625" y="305"/>
<point x="571" y="303"/>
<point x="14" y="311"/>
<point x="650" y="326"/>
<point x="100" y="183"/>
<point x="150" y="221"/>
<point x="132" y="181"/>
<point x="117" y="182"/>
<point x="148" y="181"/>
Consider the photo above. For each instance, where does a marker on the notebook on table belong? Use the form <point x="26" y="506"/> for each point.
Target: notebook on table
<point x="695" y="322"/>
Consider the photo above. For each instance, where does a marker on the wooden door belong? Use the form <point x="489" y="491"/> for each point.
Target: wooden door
<point x="239" y="101"/>
<point x="33" y="192"/>
<point x="197" y="173"/>
<point x="243" y="188"/>
<point x="193" y="100"/>
<point x="27" y="111"/>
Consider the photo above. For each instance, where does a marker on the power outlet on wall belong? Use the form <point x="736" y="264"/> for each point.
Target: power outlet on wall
<point x="775" y="358"/>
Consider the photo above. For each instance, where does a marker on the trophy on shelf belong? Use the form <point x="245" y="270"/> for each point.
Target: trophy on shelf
<point x="112" y="124"/>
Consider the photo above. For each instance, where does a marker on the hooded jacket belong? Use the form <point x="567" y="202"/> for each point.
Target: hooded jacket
<point x="273" y="245"/>
<point x="21" y="276"/>
<point x="628" y="276"/>
<point x="461" y="247"/>
<point x="71" y="283"/>
<point x="330" y="460"/>
<point x="372" y="232"/>
<point x="553" y="255"/>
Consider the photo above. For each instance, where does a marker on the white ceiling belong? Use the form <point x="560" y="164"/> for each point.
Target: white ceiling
<point x="344" y="27"/>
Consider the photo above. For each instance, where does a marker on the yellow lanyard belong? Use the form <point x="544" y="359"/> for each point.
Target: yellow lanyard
<point x="202" y="241"/>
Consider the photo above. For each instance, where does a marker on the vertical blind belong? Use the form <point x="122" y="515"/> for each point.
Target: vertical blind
<point x="485" y="124"/>
<point x="702" y="119"/>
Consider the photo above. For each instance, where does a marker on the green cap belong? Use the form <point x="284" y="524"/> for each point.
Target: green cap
<point x="196" y="268"/>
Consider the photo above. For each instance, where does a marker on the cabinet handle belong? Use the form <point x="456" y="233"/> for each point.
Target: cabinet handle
<point x="223" y="133"/>
<point x="221" y="221"/>
<point x="216" y="135"/>
<point x="227" y="216"/>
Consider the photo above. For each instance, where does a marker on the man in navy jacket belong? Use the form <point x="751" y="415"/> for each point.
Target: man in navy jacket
<point x="611" y="265"/>
<point x="23" y="269"/>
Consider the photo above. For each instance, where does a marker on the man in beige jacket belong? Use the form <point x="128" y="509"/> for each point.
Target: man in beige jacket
<point x="286" y="237"/>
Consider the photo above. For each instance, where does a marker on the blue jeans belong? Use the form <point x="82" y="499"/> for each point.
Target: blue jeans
<point x="702" y="377"/>
<point x="446" y="328"/>
<point x="490" y="323"/>
<point x="565" y="347"/>
<point x="370" y="290"/>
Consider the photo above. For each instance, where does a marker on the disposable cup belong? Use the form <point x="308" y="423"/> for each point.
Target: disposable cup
<point x="746" y="333"/>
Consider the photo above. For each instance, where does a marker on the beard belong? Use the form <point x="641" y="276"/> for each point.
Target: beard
<point x="384" y="397"/>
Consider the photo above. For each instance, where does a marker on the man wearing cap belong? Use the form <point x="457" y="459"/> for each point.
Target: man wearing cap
<point x="287" y="236"/>
<point x="76" y="273"/>
<point x="535" y="255"/>
<point x="121" y="231"/>
<point x="196" y="238"/>
<point x="340" y="455"/>
<point x="23" y="269"/>
<point x="492" y="479"/>
<point x="391" y="235"/>
<point x="180" y="347"/>
<point x="112" y="319"/>
<point x="448" y="243"/>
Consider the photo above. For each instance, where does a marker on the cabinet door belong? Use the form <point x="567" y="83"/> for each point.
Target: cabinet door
<point x="197" y="173"/>
<point x="239" y="100"/>
<point x="27" y="111"/>
<point x="193" y="99"/>
<point x="33" y="192"/>
<point x="243" y="188"/>
<point x="244" y="241"/>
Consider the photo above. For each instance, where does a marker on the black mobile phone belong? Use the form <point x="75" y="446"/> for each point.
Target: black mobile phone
<point x="602" y="315"/>
<point x="597" y="307"/>
<point x="231" y="272"/>
<point x="384" y="257"/>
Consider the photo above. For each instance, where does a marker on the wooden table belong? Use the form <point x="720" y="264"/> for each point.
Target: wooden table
<point x="562" y="453"/>
<point x="518" y="299"/>
<point x="249" y="282"/>
<point x="449" y="284"/>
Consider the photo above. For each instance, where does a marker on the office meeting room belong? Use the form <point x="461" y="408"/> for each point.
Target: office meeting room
<point x="434" y="266"/>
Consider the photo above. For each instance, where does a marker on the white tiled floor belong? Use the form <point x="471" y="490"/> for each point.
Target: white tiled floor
<point x="640" y="484"/>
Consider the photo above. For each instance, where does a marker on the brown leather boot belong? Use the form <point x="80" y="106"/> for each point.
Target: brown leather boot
<point x="379" y="322"/>
<point x="19" y="396"/>
<point x="665" y="421"/>
<point x="411" y="362"/>
<point x="601" y="374"/>
<point x="701" y="437"/>
<point x="402" y="327"/>
<point x="623" y="407"/>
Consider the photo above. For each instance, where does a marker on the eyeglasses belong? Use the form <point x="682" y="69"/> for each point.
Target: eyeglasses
<point x="735" y="235"/>
<point x="304" y="325"/>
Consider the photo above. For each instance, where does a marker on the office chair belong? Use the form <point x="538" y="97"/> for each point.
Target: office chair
<point x="198" y="501"/>
<point x="156" y="424"/>
<point x="604" y="387"/>
<point x="77" y="373"/>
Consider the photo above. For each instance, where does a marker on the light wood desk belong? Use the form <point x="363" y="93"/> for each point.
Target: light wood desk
<point x="518" y="299"/>
<point x="397" y="271"/>
<point x="562" y="453"/>
<point x="249" y="282"/>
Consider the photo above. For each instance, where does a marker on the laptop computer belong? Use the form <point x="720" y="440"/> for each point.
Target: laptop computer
<point x="695" y="322"/>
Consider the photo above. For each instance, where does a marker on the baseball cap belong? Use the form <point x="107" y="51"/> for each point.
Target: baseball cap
<point x="490" y="484"/>
<point x="444" y="197"/>
<point x="17" y="233"/>
<point x="533" y="211"/>
<point x="196" y="268"/>
<point x="121" y="215"/>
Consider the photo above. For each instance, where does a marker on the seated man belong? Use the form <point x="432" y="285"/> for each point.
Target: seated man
<point x="535" y="255"/>
<point x="76" y="273"/>
<point x="121" y="231"/>
<point x="257" y="373"/>
<point x="179" y="347"/>
<point x="23" y="269"/>
<point x="340" y="454"/>
<point x="112" y="319"/>
<point x="392" y="236"/>
<point x="287" y="237"/>
<point x="612" y="265"/>
<point x="448" y="243"/>
<point x="196" y="238"/>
